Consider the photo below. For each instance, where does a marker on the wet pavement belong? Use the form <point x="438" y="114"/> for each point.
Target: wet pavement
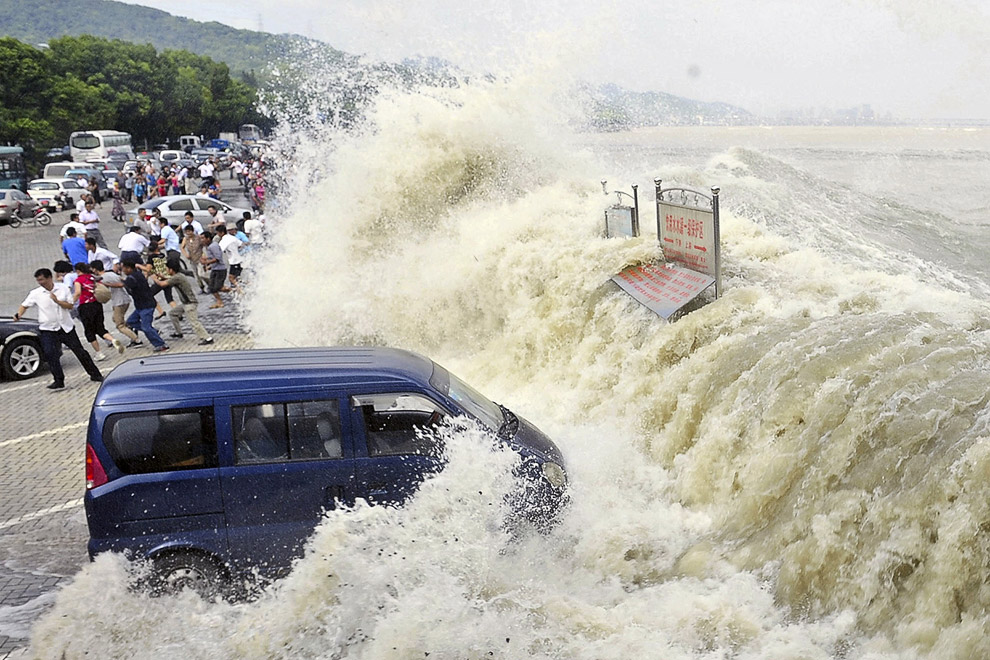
<point x="42" y="437"/>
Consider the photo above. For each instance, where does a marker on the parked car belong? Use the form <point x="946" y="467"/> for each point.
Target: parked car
<point x="228" y="468"/>
<point x="60" y="169"/>
<point x="174" y="207"/>
<point x="114" y="163"/>
<point x="146" y="157"/>
<point x="203" y="154"/>
<point x="101" y="183"/>
<point x="169" y="156"/>
<point x="109" y="177"/>
<point x="49" y="192"/>
<point x="57" y="153"/>
<point x="13" y="201"/>
<point x="20" y="348"/>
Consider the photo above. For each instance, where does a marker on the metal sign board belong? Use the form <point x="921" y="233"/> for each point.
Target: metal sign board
<point x="687" y="236"/>
<point x="663" y="288"/>
<point x="621" y="221"/>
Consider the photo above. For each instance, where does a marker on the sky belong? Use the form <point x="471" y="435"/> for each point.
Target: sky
<point x="915" y="59"/>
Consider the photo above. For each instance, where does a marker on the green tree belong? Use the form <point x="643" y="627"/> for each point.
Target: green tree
<point x="24" y="94"/>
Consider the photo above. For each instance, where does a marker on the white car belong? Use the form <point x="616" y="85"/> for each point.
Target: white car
<point x="46" y="191"/>
<point x="174" y="207"/>
<point x="170" y="156"/>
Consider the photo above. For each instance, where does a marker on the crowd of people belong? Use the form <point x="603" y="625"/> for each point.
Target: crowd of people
<point x="152" y="258"/>
<point x="181" y="178"/>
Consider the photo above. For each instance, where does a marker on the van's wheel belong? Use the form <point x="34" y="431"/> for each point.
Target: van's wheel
<point x="187" y="570"/>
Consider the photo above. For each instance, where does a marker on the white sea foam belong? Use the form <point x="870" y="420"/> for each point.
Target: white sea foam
<point x="798" y="470"/>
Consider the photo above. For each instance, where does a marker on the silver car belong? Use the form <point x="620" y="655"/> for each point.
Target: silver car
<point x="174" y="207"/>
<point x="14" y="201"/>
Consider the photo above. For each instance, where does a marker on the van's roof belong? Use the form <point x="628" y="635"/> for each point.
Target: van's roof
<point x="71" y="163"/>
<point x="176" y="376"/>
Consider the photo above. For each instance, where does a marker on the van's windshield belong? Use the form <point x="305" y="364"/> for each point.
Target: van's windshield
<point x="475" y="403"/>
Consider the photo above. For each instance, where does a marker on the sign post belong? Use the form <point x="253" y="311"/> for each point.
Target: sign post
<point x="621" y="220"/>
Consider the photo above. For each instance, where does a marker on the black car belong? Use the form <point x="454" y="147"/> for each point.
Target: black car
<point x="20" y="348"/>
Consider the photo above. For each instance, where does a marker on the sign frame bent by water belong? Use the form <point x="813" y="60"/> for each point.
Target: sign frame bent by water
<point x="663" y="288"/>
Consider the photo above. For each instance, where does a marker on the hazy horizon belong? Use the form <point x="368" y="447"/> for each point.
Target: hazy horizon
<point x="913" y="58"/>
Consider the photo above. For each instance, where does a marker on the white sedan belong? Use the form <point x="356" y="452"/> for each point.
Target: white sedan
<point x="174" y="207"/>
<point x="45" y="191"/>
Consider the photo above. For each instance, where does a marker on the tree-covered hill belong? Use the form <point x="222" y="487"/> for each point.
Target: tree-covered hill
<point x="40" y="21"/>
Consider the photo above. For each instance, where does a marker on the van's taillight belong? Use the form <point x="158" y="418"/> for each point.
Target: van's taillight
<point x="95" y="474"/>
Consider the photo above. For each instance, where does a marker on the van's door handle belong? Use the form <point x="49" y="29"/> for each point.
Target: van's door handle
<point x="331" y="495"/>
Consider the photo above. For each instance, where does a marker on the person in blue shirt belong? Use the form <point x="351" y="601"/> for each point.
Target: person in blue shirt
<point x="75" y="247"/>
<point x="139" y="189"/>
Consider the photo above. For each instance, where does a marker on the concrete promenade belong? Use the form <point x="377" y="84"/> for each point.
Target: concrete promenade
<point x="42" y="436"/>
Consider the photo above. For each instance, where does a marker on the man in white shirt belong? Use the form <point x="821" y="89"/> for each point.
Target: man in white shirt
<point x="217" y="218"/>
<point x="154" y="223"/>
<point x="75" y="224"/>
<point x="95" y="252"/>
<point x="206" y="171"/>
<point x="142" y="223"/>
<point x="190" y="221"/>
<point x="132" y="245"/>
<point x="81" y="202"/>
<point x="169" y="239"/>
<point x="230" y="245"/>
<point x="254" y="229"/>
<point x="237" y="170"/>
<point x="54" y="302"/>
<point x="91" y="219"/>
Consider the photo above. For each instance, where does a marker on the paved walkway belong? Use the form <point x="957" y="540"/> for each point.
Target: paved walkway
<point x="42" y="439"/>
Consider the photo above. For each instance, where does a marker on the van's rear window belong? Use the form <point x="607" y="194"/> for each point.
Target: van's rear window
<point x="161" y="441"/>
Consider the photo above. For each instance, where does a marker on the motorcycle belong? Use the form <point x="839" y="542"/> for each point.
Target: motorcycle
<point x="63" y="200"/>
<point x="39" y="215"/>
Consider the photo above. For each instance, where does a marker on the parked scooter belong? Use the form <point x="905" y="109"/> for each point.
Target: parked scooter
<point x="39" y="216"/>
<point x="64" y="200"/>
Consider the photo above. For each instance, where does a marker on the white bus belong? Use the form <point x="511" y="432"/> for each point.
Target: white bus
<point x="84" y="145"/>
<point x="249" y="133"/>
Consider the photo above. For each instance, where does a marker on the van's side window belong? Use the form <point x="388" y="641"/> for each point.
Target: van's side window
<point x="314" y="429"/>
<point x="401" y="423"/>
<point x="161" y="441"/>
<point x="296" y="431"/>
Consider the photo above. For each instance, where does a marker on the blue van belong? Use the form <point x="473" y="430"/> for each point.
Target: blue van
<point x="215" y="465"/>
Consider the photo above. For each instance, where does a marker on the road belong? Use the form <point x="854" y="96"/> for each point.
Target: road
<point x="42" y="438"/>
